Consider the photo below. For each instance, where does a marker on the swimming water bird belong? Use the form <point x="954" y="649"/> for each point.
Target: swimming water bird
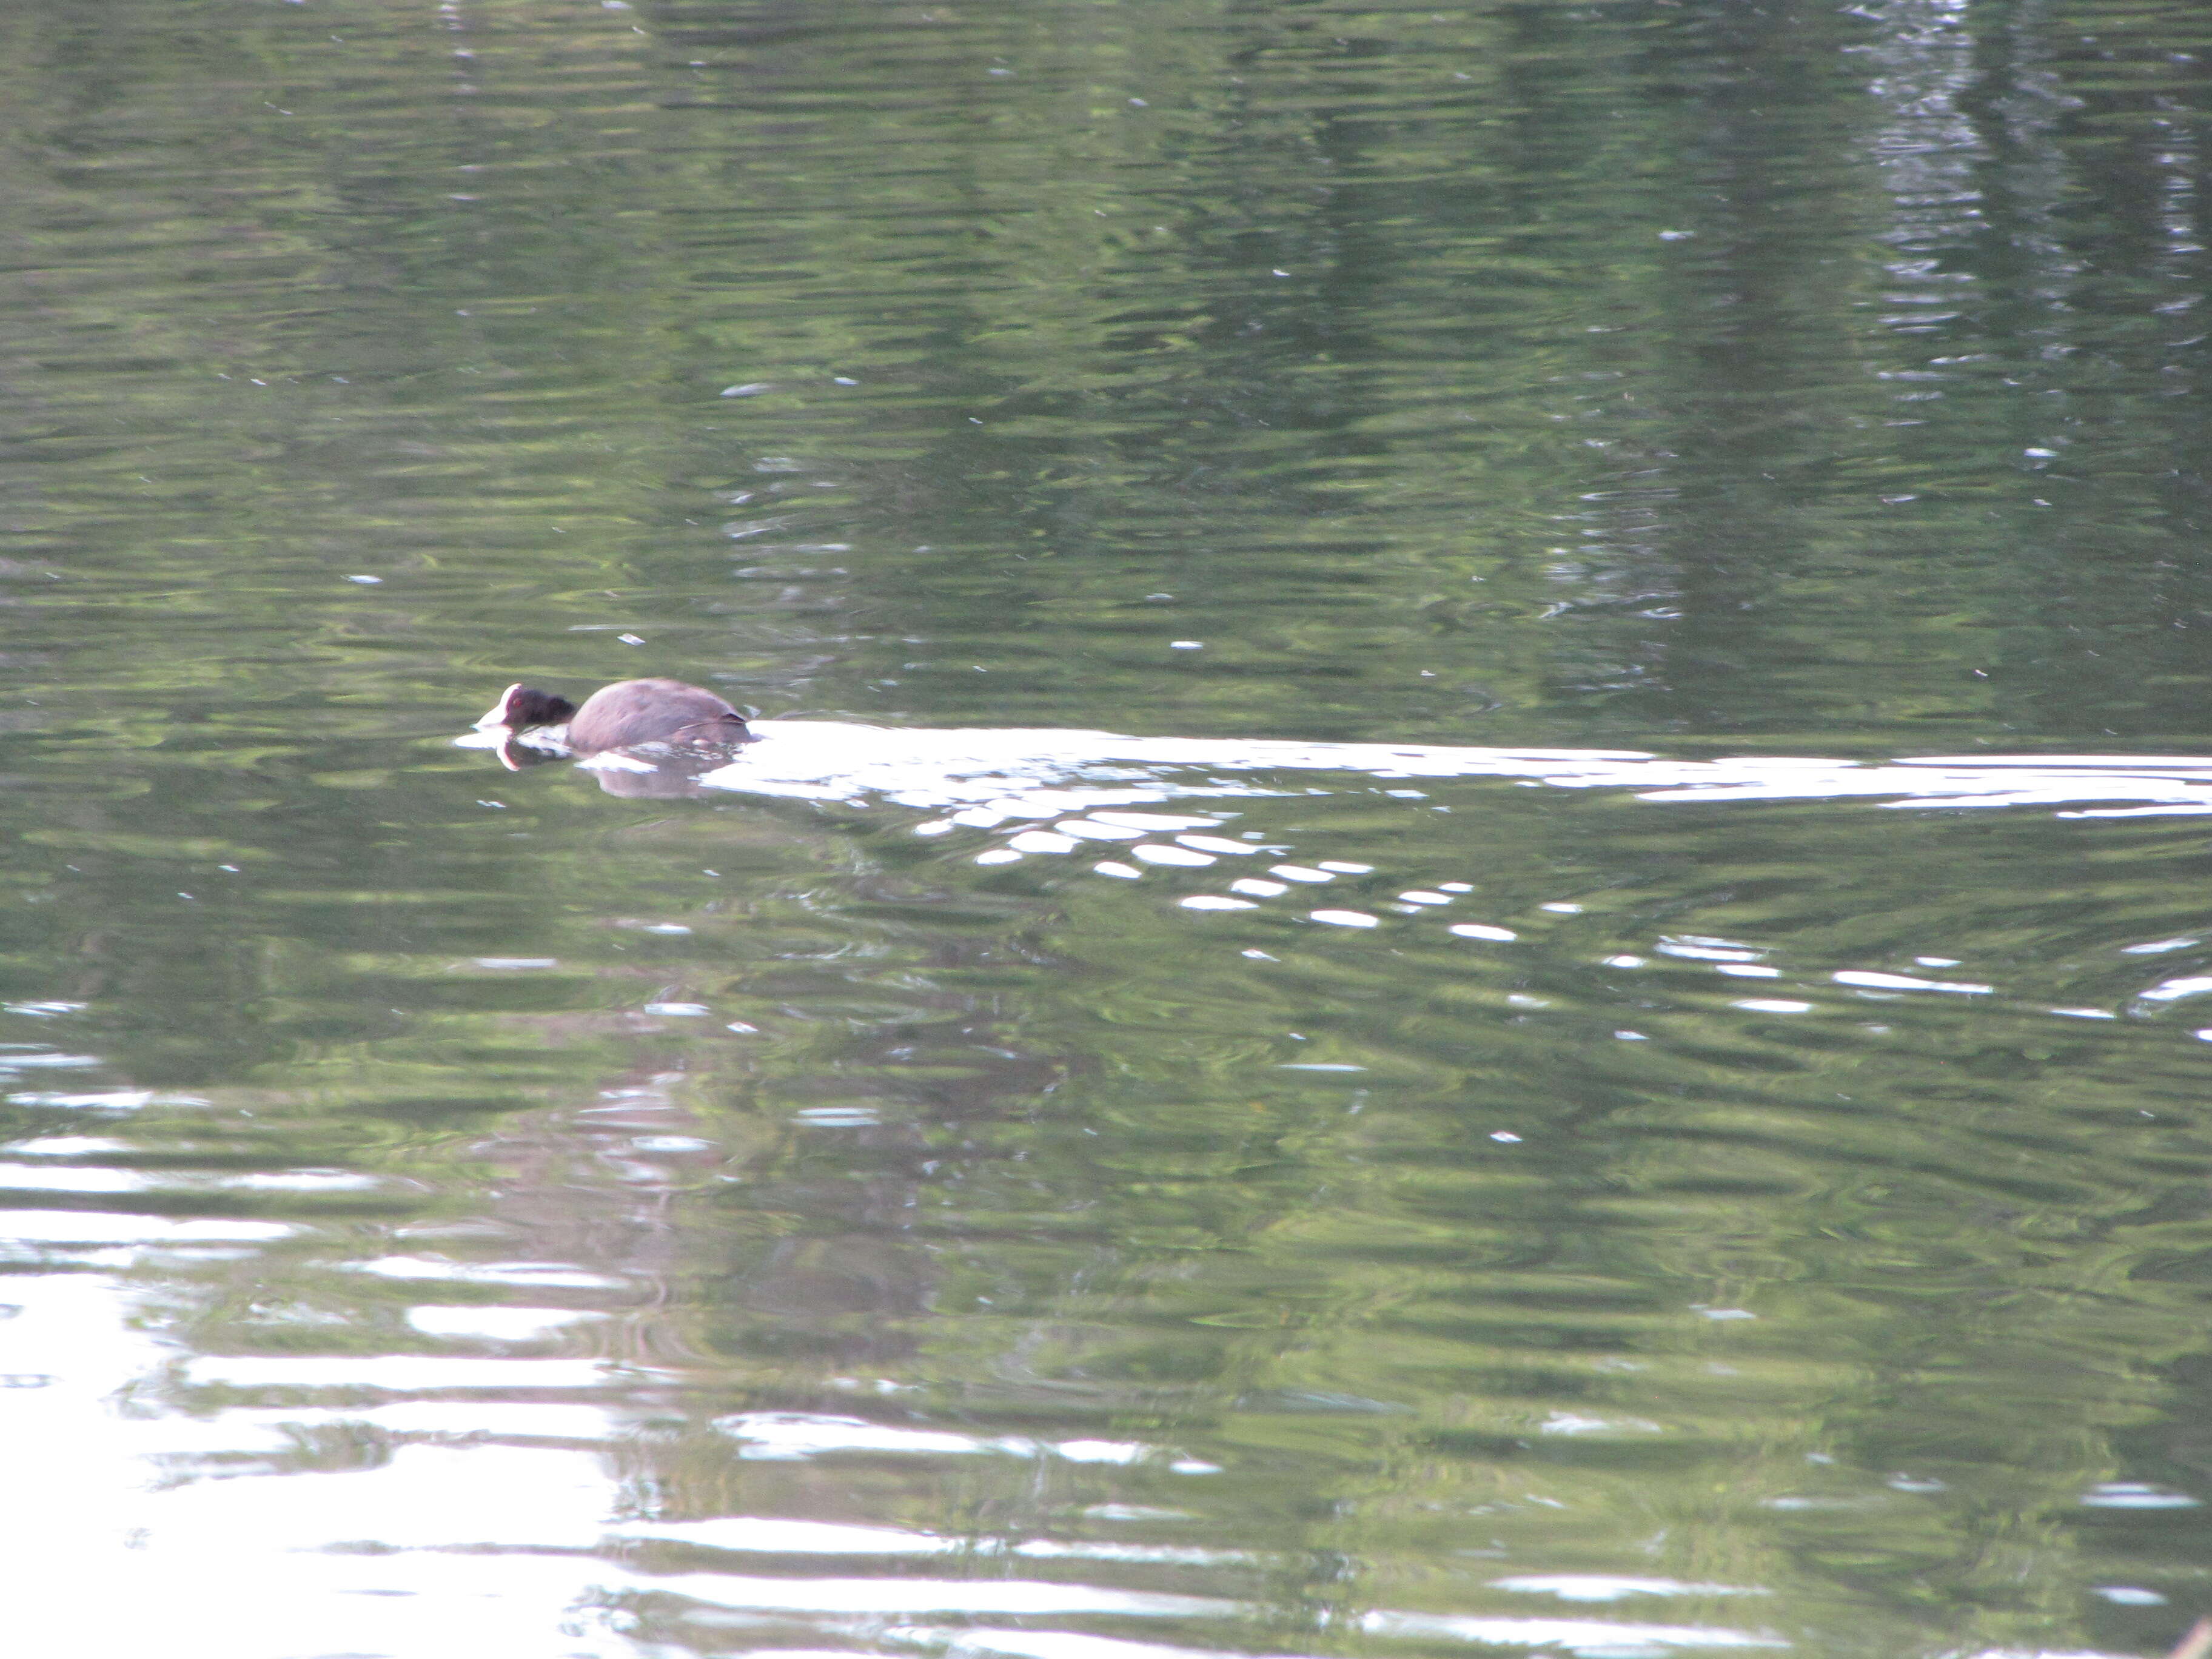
<point x="628" y="714"/>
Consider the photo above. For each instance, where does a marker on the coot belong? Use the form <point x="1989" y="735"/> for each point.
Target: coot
<point x="624" y="715"/>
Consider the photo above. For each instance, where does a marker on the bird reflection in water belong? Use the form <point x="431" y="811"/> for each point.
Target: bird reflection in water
<point x="634" y="777"/>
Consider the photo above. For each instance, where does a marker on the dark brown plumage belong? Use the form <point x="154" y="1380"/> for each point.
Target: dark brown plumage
<point x="627" y="714"/>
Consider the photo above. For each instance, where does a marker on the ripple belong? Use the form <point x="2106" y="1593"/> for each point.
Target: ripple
<point x="391" y="1373"/>
<point x="101" y="1227"/>
<point x="497" y="1324"/>
<point x="548" y="1275"/>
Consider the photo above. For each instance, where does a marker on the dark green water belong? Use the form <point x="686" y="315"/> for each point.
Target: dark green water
<point x="454" y="1211"/>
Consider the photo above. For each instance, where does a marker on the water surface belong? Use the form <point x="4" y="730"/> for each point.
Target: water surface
<point x="1476" y="919"/>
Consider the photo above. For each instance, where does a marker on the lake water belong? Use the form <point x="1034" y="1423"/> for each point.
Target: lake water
<point x="1477" y="917"/>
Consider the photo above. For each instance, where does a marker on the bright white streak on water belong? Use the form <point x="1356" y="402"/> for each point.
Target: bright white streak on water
<point x="835" y="760"/>
<point x="1038" y="772"/>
